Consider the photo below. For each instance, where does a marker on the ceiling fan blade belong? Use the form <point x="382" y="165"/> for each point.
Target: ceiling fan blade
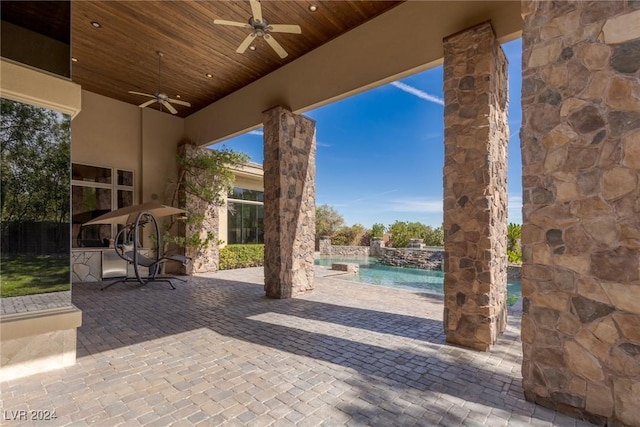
<point x="231" y="23"/>
<point x="245" y="43"/>
<point x="146" y="104"/>
<point x="179" y="102"/>
<point x="256" y="10"/>
<point x="141" y="94"/>
<point x="276" y="46"/>
<point x="169" y="107"/>
<point x="282" y="28"/>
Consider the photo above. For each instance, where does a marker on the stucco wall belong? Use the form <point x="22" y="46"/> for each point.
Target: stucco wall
<point x="111" y="133"/>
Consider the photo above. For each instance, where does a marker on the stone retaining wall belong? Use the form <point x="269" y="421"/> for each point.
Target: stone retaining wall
<point x="326" y="248"/>
<point x="514" y="273"/>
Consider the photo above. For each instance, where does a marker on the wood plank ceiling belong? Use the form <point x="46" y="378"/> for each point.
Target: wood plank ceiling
<point x="121" y="55"/>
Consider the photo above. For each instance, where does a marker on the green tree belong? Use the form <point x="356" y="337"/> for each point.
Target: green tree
<point x="514" y="248"/>
<point x="403" y="231"/>
<point x="204" y="175"/>
<point x="35" y="157"/>
<point x="377" y="230"/>
<point x="34" y="163"/>
<point x="328" y="220"/>
<point x="356" y="235"/>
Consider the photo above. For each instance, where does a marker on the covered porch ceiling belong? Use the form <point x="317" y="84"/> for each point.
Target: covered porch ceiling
<point x="345" y="47"/>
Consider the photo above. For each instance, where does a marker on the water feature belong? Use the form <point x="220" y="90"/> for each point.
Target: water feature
<point x="373" y="273"/>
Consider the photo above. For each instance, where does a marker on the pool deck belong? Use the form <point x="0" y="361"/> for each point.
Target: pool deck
<point x="217" y="352"/>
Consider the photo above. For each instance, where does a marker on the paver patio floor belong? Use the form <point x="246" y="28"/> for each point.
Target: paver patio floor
<point x="217" y="352"/>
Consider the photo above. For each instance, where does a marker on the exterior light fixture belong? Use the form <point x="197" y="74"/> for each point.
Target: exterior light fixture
<point x="252" y="48"/>
<point x="178" y="96"/>
<point x="73" y="59"/>
<point x="313" y="7"/>
<point x="96" y="24"/>
<point x="209" y="75"/>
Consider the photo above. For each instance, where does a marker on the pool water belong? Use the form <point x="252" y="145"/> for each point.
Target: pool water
<point x="414" y="279"/>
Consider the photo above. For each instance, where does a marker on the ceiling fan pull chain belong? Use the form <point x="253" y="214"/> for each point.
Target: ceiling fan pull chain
<point x="159" y="69"/>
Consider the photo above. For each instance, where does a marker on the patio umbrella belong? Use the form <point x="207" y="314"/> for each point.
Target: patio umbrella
<point x="121" y="216"/>
<point x="82" y="217"/>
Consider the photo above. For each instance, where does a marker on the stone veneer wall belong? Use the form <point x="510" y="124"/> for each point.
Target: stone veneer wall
<point x="202" y="261"/>
<point x="376" y="247"/>
<point x="581" y="235"/>
<point x="289" y="203"/>
<point x="86" y="266"/>
<point x="326" y="248"/>
<point x="475" y="199"/>
<point x="408" y="257"/>
<point x="324" y="245"/>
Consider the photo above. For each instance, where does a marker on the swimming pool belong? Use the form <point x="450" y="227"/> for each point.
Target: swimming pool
<point x="414" y="279"/>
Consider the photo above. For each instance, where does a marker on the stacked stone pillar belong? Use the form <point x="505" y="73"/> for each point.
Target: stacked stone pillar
<point x="289" y="203"/>
<point x="581" y="234"/>
<point x="475" y="199"/>
<point x="203" y="260"/>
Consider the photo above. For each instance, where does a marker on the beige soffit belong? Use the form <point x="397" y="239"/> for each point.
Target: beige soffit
<point x="405" y="40"/>
<point x="30" y="86"/>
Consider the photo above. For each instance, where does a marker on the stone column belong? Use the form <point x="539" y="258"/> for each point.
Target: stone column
<point x="376" y="247"/>
<point x="475" y="199"/>
<point x="202" y="260"/>
<point x="325" y="245"/>
<point x="289" y="203"/>
<point x="581" y="233"/>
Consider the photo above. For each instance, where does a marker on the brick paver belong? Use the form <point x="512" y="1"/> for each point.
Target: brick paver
<point x="217" y="352"/>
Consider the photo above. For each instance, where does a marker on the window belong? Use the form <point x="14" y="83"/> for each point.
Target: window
<point x="245" y="216"/>
<point x="96" y="191"/>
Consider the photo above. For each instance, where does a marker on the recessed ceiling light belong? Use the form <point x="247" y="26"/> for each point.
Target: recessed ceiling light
<point x="252" y="48"/>
<point x="313" y="7"/>
<point x="209" y="75"/>
<point x="74" y="59"/>
<point x="178" y="96"/>
<point x="96" y="24"/>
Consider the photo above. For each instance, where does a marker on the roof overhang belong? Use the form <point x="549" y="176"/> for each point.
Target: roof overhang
<point x="405" y="40"/>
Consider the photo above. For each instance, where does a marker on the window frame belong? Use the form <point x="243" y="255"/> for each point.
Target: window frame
<point x="230" y="199"/>
<point x="113" y="186"/>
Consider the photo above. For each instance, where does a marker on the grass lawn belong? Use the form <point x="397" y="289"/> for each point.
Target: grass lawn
<point x="28" y="275"/>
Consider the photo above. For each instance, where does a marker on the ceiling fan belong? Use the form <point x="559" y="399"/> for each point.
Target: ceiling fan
<point x="261" y="28"/>
<point x="160" y="97"/>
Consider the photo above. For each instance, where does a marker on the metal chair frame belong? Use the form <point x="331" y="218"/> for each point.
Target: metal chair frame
<point x="130" y="233"/>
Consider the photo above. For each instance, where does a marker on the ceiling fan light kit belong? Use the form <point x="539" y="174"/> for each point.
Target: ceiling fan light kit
<point x="158" y="96"/>
<point x="261" y="28"/>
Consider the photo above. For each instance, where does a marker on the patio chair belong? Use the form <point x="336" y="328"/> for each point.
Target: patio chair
<point x="128" y="248"/>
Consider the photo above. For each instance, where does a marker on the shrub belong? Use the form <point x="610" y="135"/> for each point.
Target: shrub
<point x="402" y="232"/>
<point x="241" y="256"/>
<point x="377" y="230"/>
<point x="514" y="248"/>
<point x="356" y="235"/>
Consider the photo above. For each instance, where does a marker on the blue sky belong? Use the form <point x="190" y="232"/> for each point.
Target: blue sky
<point x="380" y="153"/>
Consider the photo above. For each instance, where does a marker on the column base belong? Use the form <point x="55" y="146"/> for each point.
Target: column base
<point x="40" y="341"/>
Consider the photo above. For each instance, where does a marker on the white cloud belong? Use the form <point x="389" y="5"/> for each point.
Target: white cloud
<point x="419" y="93"/>
<point x="256" y="132"/>
<point x="416" y="205"/>
<point x="514" y="208"/>
<point x="322" y="144"/>
<point x="371" y="196"/>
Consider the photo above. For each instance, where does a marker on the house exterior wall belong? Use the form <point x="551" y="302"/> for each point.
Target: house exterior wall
<point x="111" y="133"/>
